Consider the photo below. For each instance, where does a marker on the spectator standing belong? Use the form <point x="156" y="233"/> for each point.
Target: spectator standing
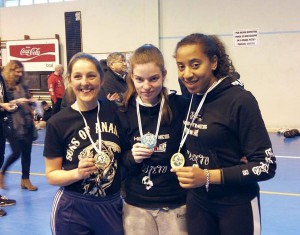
<point x="56" y="87"/>
<point x="114" y="82"/>
<point x="4" y="107"/>
<point x="21" y="138"/>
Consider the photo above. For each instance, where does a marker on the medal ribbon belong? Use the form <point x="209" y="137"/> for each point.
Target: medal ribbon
<point x="158" y="121"/>
<point x="87" y="128"/>
<point x="185" y="130"/>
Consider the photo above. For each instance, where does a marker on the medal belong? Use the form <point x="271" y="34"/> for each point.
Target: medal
<point x="102" y="160"/>
<point x="149" y="139"/>
<point x="177" y="160"/>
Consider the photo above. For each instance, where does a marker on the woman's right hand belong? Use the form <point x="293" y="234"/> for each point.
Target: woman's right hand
<point x="140" y="152"/>
<point x="21" y="101"/>
<point x="86" y="166"/>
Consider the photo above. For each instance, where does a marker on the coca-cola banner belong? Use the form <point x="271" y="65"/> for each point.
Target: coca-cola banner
<point x="36" y="55"/>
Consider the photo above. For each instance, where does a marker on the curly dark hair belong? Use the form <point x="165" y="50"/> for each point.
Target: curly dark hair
<point x="212" y="46"/>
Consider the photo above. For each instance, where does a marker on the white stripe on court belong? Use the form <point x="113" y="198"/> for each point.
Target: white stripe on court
<point x="282" y="194"/>
<point x="289" y="157"/>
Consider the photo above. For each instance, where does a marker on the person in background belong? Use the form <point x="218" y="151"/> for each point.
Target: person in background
<point x="56" y="87"/>
<point x="228" y="149"/>
<point x="114" y="81"/>
<point x="82" y="151"/>
<point x="41" y="121"/>
<point x="4" y="107"/>
<point x="184" y="90"/>
<point x="151" y="121"/>
<point x="21" y="138"/>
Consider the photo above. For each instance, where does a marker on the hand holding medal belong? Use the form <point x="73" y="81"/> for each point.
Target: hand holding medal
<point x="102" y="160"/>
<point x="140" y="152"/>
<point x="177" y="160"/>
<point x="86" y="167"/>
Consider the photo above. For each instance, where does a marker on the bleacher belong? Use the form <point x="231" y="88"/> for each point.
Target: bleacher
<point x="41" y="95"/>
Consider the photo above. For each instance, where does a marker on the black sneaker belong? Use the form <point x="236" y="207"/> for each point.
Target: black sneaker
<point x="4" y="201"/>
<point x="2" y="212"/>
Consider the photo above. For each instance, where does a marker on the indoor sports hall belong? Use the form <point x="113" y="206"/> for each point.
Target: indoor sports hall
<point x="261" y="37"/>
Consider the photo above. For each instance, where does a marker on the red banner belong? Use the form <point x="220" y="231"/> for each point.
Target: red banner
<point x="36" y="55"/>
<point x="33" y="53"/>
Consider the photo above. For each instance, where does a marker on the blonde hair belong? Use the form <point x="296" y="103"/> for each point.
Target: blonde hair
<point x="8" y="73"/>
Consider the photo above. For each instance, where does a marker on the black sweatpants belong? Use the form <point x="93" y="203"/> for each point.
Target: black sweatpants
<point x="2" y="146"/>
<point x="205" y="218"/>
<point x="20" y="148"/>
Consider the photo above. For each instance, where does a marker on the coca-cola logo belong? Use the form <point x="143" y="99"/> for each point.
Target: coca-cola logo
<point x="30" y="51"/>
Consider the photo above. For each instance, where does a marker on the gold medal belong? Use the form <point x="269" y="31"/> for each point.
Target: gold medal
<point x="102" y="160"/>
<point x="177" y="160"/>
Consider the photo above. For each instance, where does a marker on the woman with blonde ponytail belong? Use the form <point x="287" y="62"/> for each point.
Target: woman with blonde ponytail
<point x="152" y="119"/>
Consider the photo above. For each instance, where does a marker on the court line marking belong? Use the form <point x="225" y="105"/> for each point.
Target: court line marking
<point x="31" y="173"/>
<point x="289" y="157"/>
<point x="282" y="194"/>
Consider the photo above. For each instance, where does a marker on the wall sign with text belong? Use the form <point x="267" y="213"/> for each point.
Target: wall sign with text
<point x="245" y="37"/>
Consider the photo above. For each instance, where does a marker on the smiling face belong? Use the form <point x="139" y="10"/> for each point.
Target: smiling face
<point x="195" y="69"/>
<point x="86" y="83"/>
<point x="148" y="82"/>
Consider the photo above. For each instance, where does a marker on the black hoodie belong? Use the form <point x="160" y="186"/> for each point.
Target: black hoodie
<point x="151" y="184"/>
<point x="228" y="127"/>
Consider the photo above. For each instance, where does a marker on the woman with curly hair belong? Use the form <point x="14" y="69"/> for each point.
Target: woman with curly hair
<point x="223" y="125"/>
<point x="21" y="137"/>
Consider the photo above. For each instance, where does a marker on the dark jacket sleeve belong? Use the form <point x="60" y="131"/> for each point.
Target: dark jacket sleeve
<point x="127" y="159"/>
<point x="255" y="144"/>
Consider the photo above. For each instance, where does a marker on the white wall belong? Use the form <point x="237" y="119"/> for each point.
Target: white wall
<point x="107" y="26"/>
<point x="268" y="70"/>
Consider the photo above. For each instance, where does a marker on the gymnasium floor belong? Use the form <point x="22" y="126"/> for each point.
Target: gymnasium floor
<point x="280" y="197"/>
